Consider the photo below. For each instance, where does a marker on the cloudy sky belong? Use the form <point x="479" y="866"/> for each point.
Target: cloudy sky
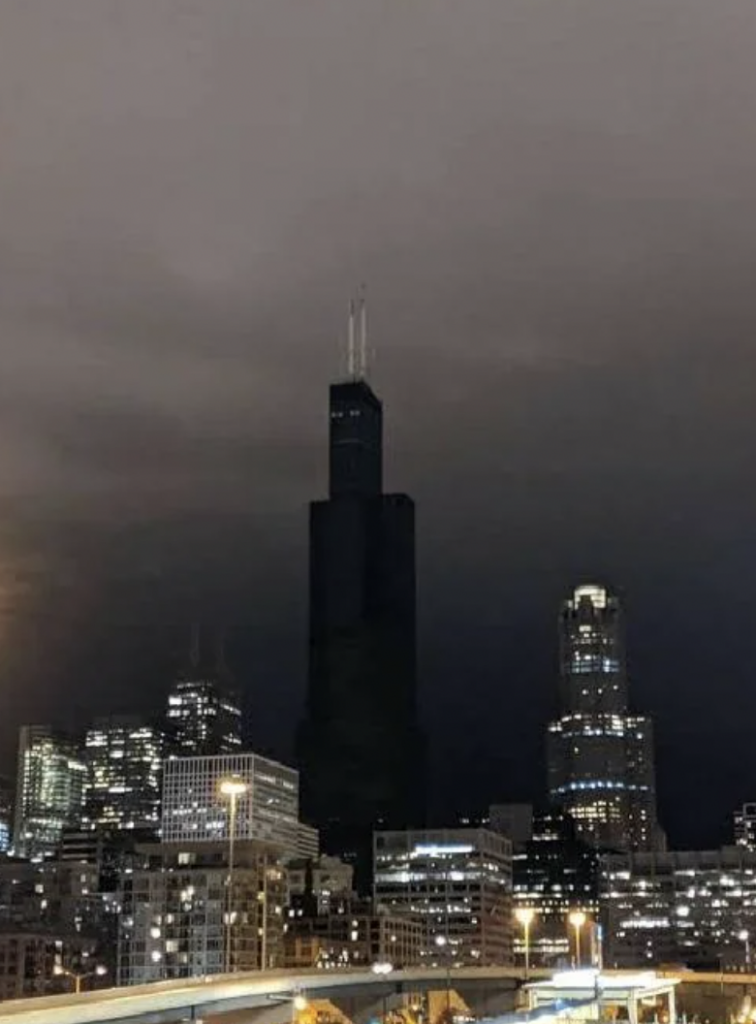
<point x="554" y="207"/>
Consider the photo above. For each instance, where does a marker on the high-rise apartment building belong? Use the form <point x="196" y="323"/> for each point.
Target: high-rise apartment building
<point x="204" y="712"/>
<point x="123" y="756"/>
<point x="458" y="882"/>
<point x="600" y="756"/>
<point x="50" y="781"/>
<point x="175" y="917"/>
<point x="195" y="810"/>
<point x="361" y="750"/>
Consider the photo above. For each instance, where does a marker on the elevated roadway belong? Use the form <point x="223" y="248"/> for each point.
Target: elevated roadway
<point x="259" y="998"/>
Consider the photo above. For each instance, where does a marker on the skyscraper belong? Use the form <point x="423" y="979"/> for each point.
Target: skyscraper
<point x="49" y="790"/>
<point x="204" y="713"/>
<point x="360" y="745"/>
<point x="123" y="756"/>
<point x="601" y="767"/>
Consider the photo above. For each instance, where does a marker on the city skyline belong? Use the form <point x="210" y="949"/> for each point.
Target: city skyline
<point x="550" y="206"/>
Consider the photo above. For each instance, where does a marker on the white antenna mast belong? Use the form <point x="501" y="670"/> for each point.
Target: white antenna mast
<point x="363" y="334"/>
<point x="350" y="343"/>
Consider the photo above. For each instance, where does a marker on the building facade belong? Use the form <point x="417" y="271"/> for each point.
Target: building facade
<point x="352" y="934"/>
<point x="175" y="907"/>
<point x="204" y="716"/>
<point x="195" y="810"/>
<point x="123" y="757"/>
<point x="50" y="782"/>
<point x="360" y="745"/>
<point x="457" y="883"/>
<point x="314" y="884"/>
<point x="554" y="873"/>
<point x="695" y="908"/>
<point x="600" y="756"/>
<point x="745" y="826"/>
<point x="6" y="814"/>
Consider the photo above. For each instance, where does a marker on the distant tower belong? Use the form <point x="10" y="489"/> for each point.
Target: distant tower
<point x="601" y="764"/>
<point x="50" y="783"/>
<point x="204" y="713"/>
<point x="361" y="751"/>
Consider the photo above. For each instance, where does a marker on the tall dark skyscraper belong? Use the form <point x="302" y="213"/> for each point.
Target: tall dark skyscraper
<point x="204" y="715"/>
<point x="601" y="761"/>
<point x="360" y="745"/>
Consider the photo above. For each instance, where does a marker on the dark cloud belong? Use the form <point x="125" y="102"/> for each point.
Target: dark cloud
<point x="553" y="206"/>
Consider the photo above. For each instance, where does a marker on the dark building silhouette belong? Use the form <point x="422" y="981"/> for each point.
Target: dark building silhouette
<point x="554" y="873"/>
<point x="361" y="752"/>
<point x="204" y="712"/>
<point x="601" y="761"/>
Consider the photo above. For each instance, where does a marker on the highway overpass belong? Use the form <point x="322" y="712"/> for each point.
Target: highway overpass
<point x="261" y="995"/>
<point x="267" y="998"/>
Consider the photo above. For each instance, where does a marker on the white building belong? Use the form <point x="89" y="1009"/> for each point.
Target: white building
<point x="458" y="882"/>
<point x="195" y="810"/>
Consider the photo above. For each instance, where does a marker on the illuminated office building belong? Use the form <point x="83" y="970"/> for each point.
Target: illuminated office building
<point x="458" y="883"/>
<point x="600" y="756"/>
<point x="194" y="809"/>
<point x="695" y="908"/>
<point x="123" y="757"/>
<point x="204" y="712"/>
<point x="49" y="790"/>
<point x="6" y="814"/>
<point x="745" y="826"/>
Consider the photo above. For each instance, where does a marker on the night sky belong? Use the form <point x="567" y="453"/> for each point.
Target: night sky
<point x="554" y="208"/>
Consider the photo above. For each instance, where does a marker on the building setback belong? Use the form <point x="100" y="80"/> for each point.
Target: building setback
<point x="458" y="883"/>
<point x="50" y="781"/>
<point x="692" y="908"/>
<point x="360" y="745"/>
<point x="600" y="756"/>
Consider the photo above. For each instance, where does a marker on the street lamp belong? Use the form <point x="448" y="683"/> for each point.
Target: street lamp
<point x="525" y="916"/>
<point x="745" y="938"/>
<point x="442" y="942"/>
<point x="79" y="976"/>
<point x="232" y="788"/>
<point x="577" y="919"/>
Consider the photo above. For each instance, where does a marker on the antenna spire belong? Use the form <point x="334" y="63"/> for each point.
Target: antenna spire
<point x="194" y="647"/>
<point x="362" y="372"/>
<point x="350" y="343"/>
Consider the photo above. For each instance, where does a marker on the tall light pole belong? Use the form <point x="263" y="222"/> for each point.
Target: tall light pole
<point x="232" y="788"/>
<point x="525" y="916"/>
<point x="442" y="942"/>
<point x="745" y="938"/>
<point x="77" y="976"/>
<point x="577" y="919"/>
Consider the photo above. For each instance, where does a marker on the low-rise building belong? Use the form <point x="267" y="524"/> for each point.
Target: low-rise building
<point x="353" y="933"/>
<point x="695" y="907"/>
<point x="458" y="883"/>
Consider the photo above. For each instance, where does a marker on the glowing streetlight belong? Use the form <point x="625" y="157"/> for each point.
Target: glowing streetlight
<point x="525" y="917"/>
<point x="577" y="919"/>
<point x="77" y="976"/>
<point x="745" y="937"/>
<point x="231" y="788"/>
<point x="300" y="1002"/>
<point x="442" y="942"/>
